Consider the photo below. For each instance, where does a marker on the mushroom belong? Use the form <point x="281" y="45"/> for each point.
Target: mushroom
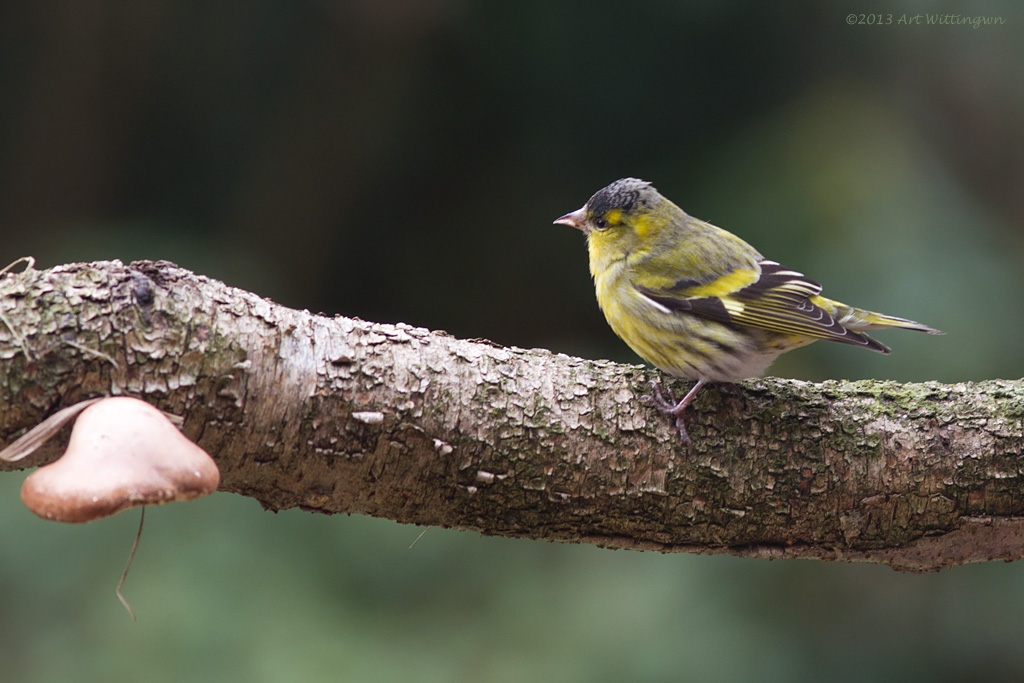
<point x="123" y="452"/>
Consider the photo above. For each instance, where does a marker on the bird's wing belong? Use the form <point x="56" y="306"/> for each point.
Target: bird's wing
<point x="769" y="297"/>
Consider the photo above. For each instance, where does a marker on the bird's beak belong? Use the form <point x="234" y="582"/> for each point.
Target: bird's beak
<point x="576" y="219"/>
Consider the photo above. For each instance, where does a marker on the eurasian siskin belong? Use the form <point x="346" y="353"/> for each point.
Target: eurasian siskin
<point x="699" y="302"/>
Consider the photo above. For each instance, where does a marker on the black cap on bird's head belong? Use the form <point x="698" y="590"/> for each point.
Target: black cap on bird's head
<point x="624" y="196"/>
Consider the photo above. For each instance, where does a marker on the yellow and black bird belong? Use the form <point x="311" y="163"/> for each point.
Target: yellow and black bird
<point x="698" y="302"/>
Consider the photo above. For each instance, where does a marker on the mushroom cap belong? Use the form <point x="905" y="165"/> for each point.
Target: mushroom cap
<point x="123" y="452"/>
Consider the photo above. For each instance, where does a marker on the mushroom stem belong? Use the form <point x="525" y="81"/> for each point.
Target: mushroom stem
<point x="131" y="556"/>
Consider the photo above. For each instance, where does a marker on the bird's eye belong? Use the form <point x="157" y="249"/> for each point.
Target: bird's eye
<point x="600" y="223"/>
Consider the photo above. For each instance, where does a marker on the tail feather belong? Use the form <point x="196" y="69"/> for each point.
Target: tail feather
<point x="859" y="319"/>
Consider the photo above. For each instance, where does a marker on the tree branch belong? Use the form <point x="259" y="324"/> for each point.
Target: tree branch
<point x="341" y="415"/>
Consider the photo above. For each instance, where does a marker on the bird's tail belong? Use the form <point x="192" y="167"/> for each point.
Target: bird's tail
<point x="859" y="320"/>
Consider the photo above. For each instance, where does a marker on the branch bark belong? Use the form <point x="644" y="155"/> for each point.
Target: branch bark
<point x="341" y="415"/>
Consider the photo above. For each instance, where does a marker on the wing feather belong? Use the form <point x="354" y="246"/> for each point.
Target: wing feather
<point x="777" y="300"/>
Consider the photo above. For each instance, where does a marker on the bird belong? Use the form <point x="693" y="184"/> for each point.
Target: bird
<point x="700" y="303"/>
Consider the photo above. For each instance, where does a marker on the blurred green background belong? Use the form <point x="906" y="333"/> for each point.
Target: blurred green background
<point x="402" y="160"/>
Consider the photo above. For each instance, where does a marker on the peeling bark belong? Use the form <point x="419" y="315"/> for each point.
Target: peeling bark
<point x="341" y="415"/>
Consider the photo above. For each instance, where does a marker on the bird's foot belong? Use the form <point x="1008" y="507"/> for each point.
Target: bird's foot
<point x="669" y="406"/>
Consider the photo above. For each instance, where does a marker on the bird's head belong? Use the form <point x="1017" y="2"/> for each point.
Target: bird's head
<point x="621" y="218"/>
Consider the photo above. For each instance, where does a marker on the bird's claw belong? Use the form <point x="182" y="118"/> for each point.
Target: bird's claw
<point x="669" y="406"/>
<point x="657" y="398"/>
<point x="681" y="426"/>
